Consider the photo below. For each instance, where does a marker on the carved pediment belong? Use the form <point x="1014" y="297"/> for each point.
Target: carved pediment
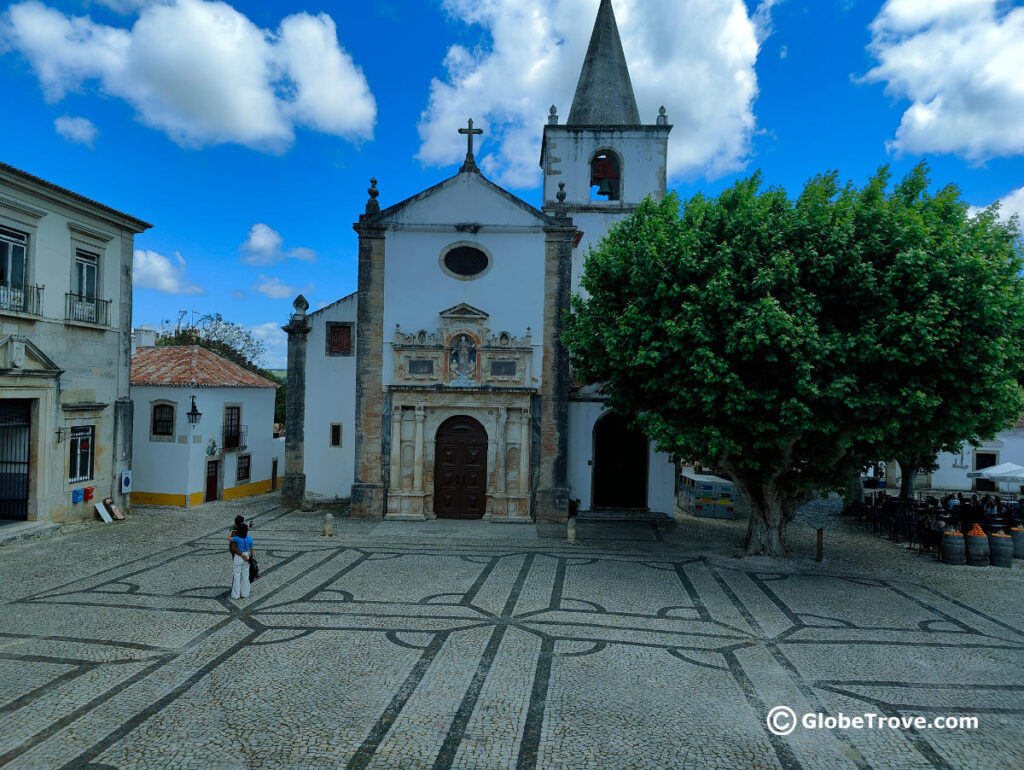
<point x="19" y="355"/>
<point x="465" y="314"/>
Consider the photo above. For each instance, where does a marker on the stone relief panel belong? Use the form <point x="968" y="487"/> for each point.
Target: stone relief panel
<point x="463" y="353"/>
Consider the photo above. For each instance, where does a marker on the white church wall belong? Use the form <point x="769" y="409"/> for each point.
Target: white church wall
<point x="595" y="226"/>
<point x="511" y="291"/>
<point x="330" y="398"/>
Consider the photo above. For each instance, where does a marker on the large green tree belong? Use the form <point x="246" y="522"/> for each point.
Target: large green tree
<point x="788" y="342"/>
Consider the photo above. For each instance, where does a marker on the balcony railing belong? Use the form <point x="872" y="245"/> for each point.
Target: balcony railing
<point x="234" y="436"/>
<point x="21" y="298"/>
<point x="88" y="309"/>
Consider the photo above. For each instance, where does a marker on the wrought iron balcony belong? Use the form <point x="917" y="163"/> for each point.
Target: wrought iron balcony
<point x="21" y="298"/>
<point x="234" y="436"/>
<point x="88" y="309"/>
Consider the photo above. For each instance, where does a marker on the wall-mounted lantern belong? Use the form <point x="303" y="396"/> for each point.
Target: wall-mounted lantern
<point x="193" y="414"/>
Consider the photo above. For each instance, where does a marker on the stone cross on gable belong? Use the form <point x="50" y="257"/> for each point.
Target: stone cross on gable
<point x="470" y="132"/>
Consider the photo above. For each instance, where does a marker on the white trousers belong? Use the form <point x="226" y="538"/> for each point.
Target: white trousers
<point x="240" y="579"/>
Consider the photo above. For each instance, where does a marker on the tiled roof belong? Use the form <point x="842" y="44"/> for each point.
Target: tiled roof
<point x="191" y="366"/>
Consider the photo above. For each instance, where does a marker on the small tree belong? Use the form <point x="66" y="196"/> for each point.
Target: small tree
<point x="773" y="338"/>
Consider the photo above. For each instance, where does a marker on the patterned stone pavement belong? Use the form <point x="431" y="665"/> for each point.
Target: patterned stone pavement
<point x="639" y="647"/>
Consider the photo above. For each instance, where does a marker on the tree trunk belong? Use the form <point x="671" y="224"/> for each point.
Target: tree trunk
<point x="908" y="473"/>
<point x="765" y="532"/>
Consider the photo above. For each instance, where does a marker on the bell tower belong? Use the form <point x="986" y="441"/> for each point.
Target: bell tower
<point x="608" y="159"/>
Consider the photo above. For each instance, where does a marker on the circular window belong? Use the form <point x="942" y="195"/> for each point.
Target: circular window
<point x="466" y="261"/>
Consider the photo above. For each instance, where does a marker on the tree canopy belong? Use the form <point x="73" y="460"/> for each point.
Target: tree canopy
<point x="227" y="339"/>
<point x="789" y="342"/>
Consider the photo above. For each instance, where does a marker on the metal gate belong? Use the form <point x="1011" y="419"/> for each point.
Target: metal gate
<point x="15" y="425"/>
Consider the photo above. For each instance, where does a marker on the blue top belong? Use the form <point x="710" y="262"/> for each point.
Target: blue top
<point x="243" y="544"/>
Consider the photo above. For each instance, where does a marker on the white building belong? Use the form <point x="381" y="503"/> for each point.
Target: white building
<point x="442" y="389"/>
<point x="65" y="344"/>
<point x="1006" y="447"/>
<point x="229" y="452"/>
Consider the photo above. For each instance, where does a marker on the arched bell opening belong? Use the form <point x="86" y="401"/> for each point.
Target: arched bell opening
<point x="605" y="176"/>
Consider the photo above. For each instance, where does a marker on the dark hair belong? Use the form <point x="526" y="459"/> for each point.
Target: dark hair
<point x="239" y="520"/>
<point x="242" y="530"/>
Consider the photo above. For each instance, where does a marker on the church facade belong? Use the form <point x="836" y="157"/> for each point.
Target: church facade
<point x="441" y="387"/>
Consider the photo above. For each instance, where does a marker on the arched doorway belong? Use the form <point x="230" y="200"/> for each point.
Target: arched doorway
<point x="460" y="469"/>
<point x="620" y="465"/>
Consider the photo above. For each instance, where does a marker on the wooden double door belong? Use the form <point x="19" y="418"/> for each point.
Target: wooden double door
<point x="460" y="470"/>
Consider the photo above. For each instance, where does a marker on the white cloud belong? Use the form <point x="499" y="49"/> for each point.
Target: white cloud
<point x="696" y="57"/>
<point x="264" y="247"/>
<point x="79" y="130"/>
<point x="155" y="271"/>
<point x="202" y="72"/>
<point x="1014" y="204"/>
<point x="275" y="288"/>
<point x="959" y="63"/>
<point x="276" y="342"/>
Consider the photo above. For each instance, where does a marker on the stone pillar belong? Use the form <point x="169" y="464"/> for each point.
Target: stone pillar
<point x="524" y="452"/>
<point x="396" y="449"/>
<point x="500" y="453"/>
<point x="368" y="484"/>
<point x="293" y="485"/>
<point x="553" y="487"/>
<point x="417" y="473"/>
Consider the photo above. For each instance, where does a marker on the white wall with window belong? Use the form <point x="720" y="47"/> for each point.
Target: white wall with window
<point x="330" y="401"/>
<point x="1006" y="447"/>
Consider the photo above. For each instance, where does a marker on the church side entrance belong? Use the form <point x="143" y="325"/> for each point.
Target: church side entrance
<point x="620" y="465"/>
<point x="460" y="475"/>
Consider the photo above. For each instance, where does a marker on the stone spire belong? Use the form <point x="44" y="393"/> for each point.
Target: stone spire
<point x="604" y="94"/>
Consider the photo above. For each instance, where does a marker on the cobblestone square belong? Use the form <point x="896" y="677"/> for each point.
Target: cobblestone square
<point x="497" y="647"/>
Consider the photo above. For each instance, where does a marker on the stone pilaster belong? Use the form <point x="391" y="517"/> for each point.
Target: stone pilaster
<point x="500" y="452"/>
<point x="368" y="486"/>
<point x="293" y="484"/>
<point x="553" y="487"/>
<point x="417" y="479"/>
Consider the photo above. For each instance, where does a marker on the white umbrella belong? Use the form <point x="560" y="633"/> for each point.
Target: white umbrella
<point x="1002" y="472"/>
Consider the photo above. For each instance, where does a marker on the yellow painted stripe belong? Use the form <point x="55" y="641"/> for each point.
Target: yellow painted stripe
<point x="154" y="498"/>
<point x="247" y="490"/>
<point x="197" y="498"/>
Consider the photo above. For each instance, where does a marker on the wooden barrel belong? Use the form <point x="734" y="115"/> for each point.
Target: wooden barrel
<point x="1000" y="550"/>
<point x="976" y="547"/>
<point x="1018" y="543"/>
<point x="953" y="549"/>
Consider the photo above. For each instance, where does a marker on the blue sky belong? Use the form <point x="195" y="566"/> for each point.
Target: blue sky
<point x="247" y="133"/>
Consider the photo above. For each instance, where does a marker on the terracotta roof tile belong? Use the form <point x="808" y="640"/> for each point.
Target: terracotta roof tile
<point x="191" y="366"/>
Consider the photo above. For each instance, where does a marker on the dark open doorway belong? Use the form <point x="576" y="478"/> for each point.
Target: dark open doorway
<point x="620" y="465"/>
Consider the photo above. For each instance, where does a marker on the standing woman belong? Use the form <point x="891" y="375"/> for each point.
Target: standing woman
<point x="241" y="549"/>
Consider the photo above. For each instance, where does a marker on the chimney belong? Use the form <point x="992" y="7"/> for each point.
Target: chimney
<point x="143" y="337"/>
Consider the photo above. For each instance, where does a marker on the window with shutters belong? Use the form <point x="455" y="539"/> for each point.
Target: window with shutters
<point x="339" y="339"/>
